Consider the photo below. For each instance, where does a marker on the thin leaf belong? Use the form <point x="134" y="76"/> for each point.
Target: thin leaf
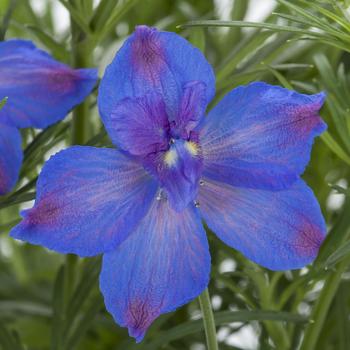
<point x="56" y="48"/>
<point x="342" y="252"/>
<point x="76" y="16"/>
<point x="3" y="102"/>
<point x="268" y="26"/>
<point x="335" y="147"/>
<point x="222" y="317"/>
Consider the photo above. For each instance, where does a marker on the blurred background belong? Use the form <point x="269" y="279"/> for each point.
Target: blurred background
<point x="301" y="45"/>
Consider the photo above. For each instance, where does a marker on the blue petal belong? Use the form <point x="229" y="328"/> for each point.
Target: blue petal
<point x="154" y="61"/>
<point x="41" y="91"/>
<point x="10" y="157"/>
<point x="88" y="201"/>
<point x="178" y="171"/>
<point x="280" y="230"/>
<point x="140" y="125"/>
<point x="164" y="264"/>
<point x="192" y="107"/>
<point x="260" y="136"/>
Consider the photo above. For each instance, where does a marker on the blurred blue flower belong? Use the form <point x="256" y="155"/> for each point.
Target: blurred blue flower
<point x="143" y="204"/>
<point x="40" y="91"/>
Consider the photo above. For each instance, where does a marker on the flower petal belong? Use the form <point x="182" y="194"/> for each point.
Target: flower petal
<point x="139" y="125"/>
<point x="88" y="201"/>
<point x="192" y="106"/>
<point x="10" y="157"/>
<point x="164" y="264"/>
<point x="40" y="90"/>
<point x="260" y="136"/>
<point x="277" y="229"/>
<point x="178" y="171"/>
<point x="155" y="61"/>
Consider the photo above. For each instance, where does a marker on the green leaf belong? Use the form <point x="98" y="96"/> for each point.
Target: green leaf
<point x="222" y="317"/>
<point x="269" y="26"/>
<point x="77" y="17"/>
<point x="56" y="48"/>
<point x="335" y="147"/>
<point x="3" y="102"/>
<point x="342" y="252"/>
<point x="9" y="341"/>
<point x="58" y="311"/>
<point x="115" y="16"/>
<point x="337" y="236"/>
<point x="197" y="38"/>
<point x="101" y="14"/>
<point x="341" y="190"/>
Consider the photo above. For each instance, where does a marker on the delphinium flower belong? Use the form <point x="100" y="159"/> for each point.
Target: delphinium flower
<point x="40" y="91"/>
<point x="142" y="204"/>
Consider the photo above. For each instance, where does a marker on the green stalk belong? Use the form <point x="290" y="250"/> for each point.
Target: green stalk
<point x="322" y="305"/>
<point x="81" y="58"/>
<point x="208" y="320"/>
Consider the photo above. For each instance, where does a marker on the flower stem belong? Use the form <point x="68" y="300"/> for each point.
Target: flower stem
<point x="208" y="320"/>
<point x="81" y="57"/>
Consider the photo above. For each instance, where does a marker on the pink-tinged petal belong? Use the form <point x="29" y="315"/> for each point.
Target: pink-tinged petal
<point x="280" y="230"/>
<point x="260" y="136"/>
<point x="153" y="61"/>
<point x="88" y="201"/>
<point x="164" y="264"/>
<point x="40" y="90"/>
<point x="10" y="157"/>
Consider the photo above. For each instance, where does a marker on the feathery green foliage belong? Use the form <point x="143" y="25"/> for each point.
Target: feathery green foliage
<point x="48" y="301"/>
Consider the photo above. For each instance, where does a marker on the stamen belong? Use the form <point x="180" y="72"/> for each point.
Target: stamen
<point x="196" y="204"/>
<point x="171" y="157"/>
<point x="192" y="148"/>
<point x="201" y="182"/>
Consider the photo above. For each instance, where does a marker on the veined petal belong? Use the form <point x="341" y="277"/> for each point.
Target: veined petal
<point x="280" y="230"/>
<point x="164" y="264"/>
<point x="260" y="136"/>
<point x="155" y="61"/>
<point x="140" y="125"/>
<point x="88" y="201"/>
<point x="10" y="157"/>
<point x="192" y="106"/>
<point x="40" y="90"/>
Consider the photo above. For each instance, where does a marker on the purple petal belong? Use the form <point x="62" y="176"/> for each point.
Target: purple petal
<point x="88" y="201"/>
<point x="192" y="106"/>
<point x="140" y="125"/>
<point x="178" y="171"/>
<point x="153" y="61"/>
<point x="280" y="230"/>
<point x="10" y="157"/>
<point x="164" y="264"/>
<point x="41" y="91"/>
<point x="260" y="136"/>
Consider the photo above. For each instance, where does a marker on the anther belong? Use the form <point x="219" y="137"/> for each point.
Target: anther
<point x="171" y="141"/>
<point x="201" y="182"/>
<point x="196" y="204"/>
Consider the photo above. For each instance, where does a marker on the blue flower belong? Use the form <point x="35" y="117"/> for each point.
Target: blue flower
<point x="40" y="91"/>
<point x="142" y="205"/>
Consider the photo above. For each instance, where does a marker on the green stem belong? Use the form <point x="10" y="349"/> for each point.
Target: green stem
<point x="81" y="50"/>
<point x="208" y="320"/>
<point x="81" y="58"/>
<point x="322" y="305"/>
